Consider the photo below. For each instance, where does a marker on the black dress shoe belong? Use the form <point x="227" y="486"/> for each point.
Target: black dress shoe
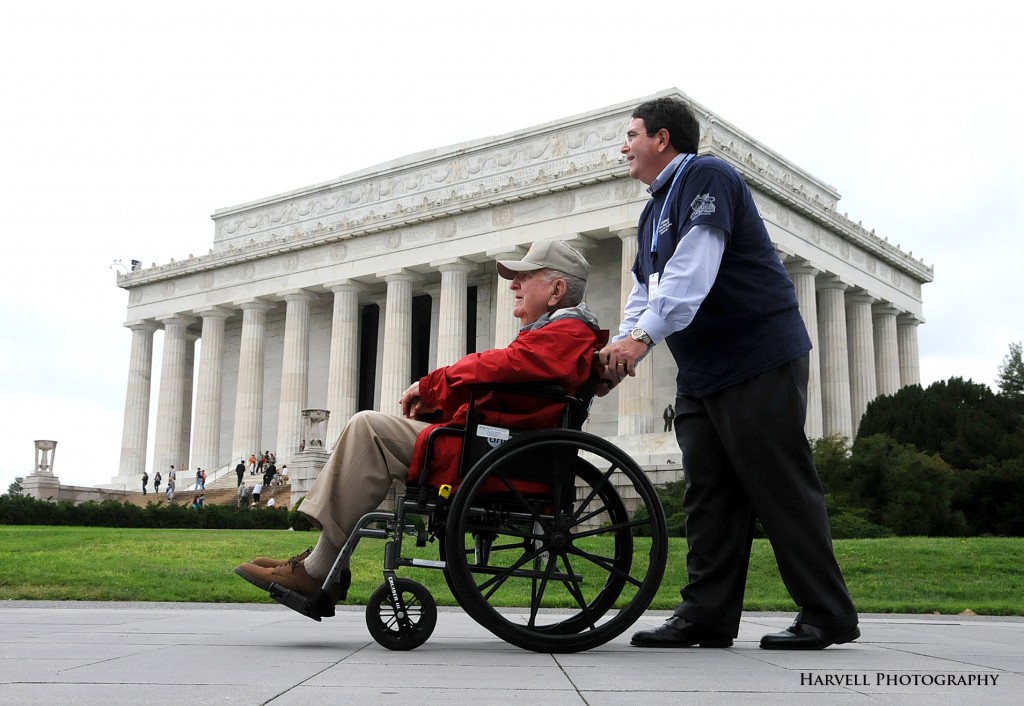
<point x="800" y="636"/>
<point x="677" y="632"/>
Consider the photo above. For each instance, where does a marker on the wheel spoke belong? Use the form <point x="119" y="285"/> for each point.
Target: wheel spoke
<point x="537" y="593"/>
<point x="606" y="564"/>
<point x="594" y="490"/>
<point x="573" y="587"/>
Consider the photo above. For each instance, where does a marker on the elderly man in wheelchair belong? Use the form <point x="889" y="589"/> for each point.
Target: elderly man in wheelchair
<point x="511" y="507"/>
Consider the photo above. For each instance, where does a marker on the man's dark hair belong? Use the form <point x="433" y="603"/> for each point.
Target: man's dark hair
<point x="672" y="115"/>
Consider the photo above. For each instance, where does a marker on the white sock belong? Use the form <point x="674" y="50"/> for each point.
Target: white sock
<point x="319" y="562"/>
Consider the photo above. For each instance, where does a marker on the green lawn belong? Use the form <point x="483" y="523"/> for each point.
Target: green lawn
<point x="893" y="575"/>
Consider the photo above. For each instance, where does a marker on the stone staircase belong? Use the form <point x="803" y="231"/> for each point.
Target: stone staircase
<point x="223" y="491"/>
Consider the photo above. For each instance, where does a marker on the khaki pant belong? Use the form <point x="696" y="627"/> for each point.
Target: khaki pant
<point x="373" y="451"/>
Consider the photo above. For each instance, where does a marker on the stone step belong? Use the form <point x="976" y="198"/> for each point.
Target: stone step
<point x="213" y="496"/>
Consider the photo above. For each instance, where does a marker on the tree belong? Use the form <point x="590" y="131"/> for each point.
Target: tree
<point x="1011" y="373"/>
<point x="992" y="499"/>
<point x="15" y="489"/>
<point x="963" y="421"/>
<point x="903" y="488"/>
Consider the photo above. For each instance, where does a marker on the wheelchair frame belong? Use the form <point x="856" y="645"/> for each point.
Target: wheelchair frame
<point x="492" y="541"/>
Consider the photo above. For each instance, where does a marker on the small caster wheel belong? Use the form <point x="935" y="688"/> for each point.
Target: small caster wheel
<point x="401" y="631"/>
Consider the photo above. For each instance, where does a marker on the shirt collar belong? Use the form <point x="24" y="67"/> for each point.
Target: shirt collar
<point x="667" y="172"/>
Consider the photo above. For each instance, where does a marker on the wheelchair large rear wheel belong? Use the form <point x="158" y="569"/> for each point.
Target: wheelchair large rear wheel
<point x="584" y="566"/>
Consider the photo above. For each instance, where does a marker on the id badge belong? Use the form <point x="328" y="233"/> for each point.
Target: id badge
<point x="652" y="286"/>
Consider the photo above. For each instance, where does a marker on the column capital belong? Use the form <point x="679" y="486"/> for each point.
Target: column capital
<point x="179" y="319"/>
<point x="142" y="325"/>
<point x="453" y="264"/>
<point x="506" y="252"/>
<point x="623" y="230"/>
<point x="297" y="295"/>
<point x="908" y="318"/>
<point x="830" y="282"/>
<point x="860" y="296"/>
<point x="580" y="242"/>
<point x="800" y="266"/>
<point x="346" y="285"/>
<point x="884" y="308"/>
<point x="254" y="304"/>
<point x="213" y="312"/>
<point x="400" y="274"/>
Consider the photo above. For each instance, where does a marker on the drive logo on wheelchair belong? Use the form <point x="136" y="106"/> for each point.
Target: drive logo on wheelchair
<point x="495" y="436"/>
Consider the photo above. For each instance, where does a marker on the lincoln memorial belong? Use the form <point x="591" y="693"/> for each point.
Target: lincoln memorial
<point x="336" y="296"/>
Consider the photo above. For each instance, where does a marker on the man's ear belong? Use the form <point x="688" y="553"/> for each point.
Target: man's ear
<point x="664" y="139"/>
<point x="558" y="290"/>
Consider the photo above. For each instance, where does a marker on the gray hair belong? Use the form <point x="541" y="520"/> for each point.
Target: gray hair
<point x="575" y="287"/>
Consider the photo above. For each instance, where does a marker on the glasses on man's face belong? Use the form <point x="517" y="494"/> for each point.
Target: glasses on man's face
<point x="630" y="136"/>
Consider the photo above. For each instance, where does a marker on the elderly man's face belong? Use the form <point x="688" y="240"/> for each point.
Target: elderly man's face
<point x="534" y="296"/>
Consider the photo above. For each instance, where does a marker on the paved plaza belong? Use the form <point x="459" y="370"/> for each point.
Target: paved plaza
<point x="166" y="653"/>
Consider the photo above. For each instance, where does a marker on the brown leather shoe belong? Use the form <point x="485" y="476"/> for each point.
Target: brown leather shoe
<point x="291" y="575"/>
<point x="267" y="563"/>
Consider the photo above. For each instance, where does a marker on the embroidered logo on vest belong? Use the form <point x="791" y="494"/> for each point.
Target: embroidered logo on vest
<point x="703" y="205"/>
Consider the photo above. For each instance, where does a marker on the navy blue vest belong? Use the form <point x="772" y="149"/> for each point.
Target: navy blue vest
<point x="750" y="322"/>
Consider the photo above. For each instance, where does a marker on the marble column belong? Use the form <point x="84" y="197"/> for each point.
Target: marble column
<point x="861" y="351"/>
<point x="187" y="382"/>
<point x="206" y="448"/>
<point x="294" y="374"/>
<point x="803" y="274"/>
<point x="451" y="324"/>
<point x="171" y="397"/>
<point x="836" y="412"/>
<point x="506" y="326"/>
<point x="135" y="433"/>
<point x="906" y="338"/>
<point x="887" y="356"/>
<point x="247" y="437"/>
<point x="343" y="372"/>
<point x="636" y="394"/>
<point x="396" y="371"/>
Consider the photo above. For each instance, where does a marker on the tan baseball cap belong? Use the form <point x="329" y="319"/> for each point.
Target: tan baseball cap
<point x="547" y="254"/>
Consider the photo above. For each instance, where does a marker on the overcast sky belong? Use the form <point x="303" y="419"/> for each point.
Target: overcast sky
<point x="125" y="126"/>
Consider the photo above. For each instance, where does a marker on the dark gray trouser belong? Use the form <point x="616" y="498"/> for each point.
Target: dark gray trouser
<point x="745" y="456"/>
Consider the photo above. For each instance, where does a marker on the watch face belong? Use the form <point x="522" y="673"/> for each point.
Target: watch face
<point x="638" y="334"/>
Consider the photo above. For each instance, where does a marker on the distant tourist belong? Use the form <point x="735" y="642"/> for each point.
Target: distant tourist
<point x="145" y="479"/>
<point x="156" y="482"/>
<point x="240" y="470"/>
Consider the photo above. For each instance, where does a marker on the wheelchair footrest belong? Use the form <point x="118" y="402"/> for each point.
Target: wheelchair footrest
<point x="319" y="605"/>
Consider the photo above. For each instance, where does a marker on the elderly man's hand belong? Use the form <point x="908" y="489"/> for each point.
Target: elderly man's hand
<point x="412" y="404"/>
<point x="609" y="380"/>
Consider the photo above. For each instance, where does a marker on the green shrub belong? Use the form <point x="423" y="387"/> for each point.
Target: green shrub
<point x="296" y="520"/>
<point x="111" y="513"/>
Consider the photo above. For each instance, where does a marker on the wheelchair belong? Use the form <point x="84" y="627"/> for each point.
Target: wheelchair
<point x="538" y="514"/>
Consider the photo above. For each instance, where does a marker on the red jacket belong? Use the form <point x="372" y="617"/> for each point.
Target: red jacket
<point x="559" y="353"/>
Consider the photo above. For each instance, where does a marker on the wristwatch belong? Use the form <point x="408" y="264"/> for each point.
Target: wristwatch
<point x="638" y="334"/>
